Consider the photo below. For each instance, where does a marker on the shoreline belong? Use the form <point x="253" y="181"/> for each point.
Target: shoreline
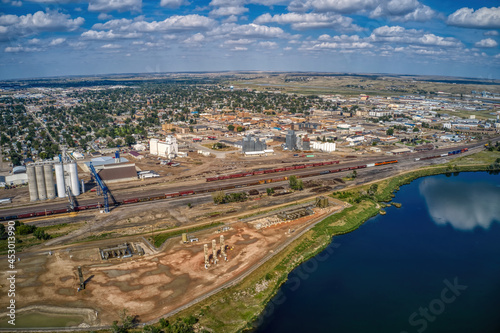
<point x="309" y="245"/>
<point x="274" y="272"/>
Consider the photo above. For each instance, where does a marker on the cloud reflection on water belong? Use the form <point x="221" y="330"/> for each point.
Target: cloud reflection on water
<point x="463" y="205"/>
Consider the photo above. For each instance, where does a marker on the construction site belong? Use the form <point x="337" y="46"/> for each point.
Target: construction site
<point x="88" y="284"/>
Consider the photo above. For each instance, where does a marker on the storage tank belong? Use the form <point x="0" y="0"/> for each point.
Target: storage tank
<point x="61" y="187"/>
<point x="73" y="174"/>
<point x="30" y="170"/>
<point x="40" y="182"/>
<point x="49" y="181"/>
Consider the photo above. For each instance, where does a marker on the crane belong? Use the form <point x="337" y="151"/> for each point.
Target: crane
<point x="101" y="185"/>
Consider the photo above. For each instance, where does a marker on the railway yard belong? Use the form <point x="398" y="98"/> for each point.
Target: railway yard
<point x="151" y="281"/>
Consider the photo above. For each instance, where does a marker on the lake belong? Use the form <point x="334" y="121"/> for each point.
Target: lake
<point x="432" y="265"/>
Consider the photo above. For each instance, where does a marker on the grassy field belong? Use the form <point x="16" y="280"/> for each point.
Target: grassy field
<point x="26" y="241"/>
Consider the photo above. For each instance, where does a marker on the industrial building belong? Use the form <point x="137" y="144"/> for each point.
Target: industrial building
<point x="304" y="143"/>
<point x="252" y="144"/>
<point x="168" y="148"/>
<point x="41" y="180"/>
<point x="118" y="172"/>
<point x="327" y="147"/>
<point x="291" y="140"/>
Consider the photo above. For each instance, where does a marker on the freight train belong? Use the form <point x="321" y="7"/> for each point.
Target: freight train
<point x="191" y="192"/>
<point x="453" y="152"/>
<point x="260" y="172"/>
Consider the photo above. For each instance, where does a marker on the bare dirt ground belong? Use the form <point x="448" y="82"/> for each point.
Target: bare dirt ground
<point x="150" y="285"/>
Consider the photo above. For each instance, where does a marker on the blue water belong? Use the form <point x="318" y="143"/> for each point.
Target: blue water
<point x="431" y="266"/>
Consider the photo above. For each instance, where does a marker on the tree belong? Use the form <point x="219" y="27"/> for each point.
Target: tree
<point x="129" y="140"/>
<point x="230" y="127"/>
<point x="295" y="184"/>
<point x="219" y="197"/>
<point x="164" y="323"/>
<point x="390" y="131"/>
<point x="269" y="191"/>
<point x="150" y="329"/>
<point x="415" y="129"/>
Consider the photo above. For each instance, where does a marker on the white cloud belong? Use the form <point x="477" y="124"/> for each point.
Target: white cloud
<point x="16" y="3"/>
<point x="239" y="48"/>
<point x="488" y="42"/>
<point x="491" y="33"/>
<point x="310" y="21"/>
<point x="104" y="17"/>
<point x="228" y="11"/>
<point x="173" y="4"/>
<point x="241" y="41"/>
<point x="195" y="39"/>
<point x="404" y="10"/>
<point x="398" y="34"/>
<point x="108" y="35"/>
<point x="111" y="46"/>
<point x="269" y="45"/>
<point x="17" y="49"/>
<point x="399" y="10"/>
<point x="173" y="23"/>
<point x="118" y="5"/>
<point x="57" y="41"/>
<point x="483" y="18"/>
<point x="30" y="24"/>
<point x="252" y="30"/>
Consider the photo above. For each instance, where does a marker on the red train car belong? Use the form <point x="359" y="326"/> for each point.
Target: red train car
<point x="186" y="192"/>
<point x="127" y="201"/>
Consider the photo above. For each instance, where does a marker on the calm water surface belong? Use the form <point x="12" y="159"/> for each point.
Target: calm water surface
<point x="431" y="266"/>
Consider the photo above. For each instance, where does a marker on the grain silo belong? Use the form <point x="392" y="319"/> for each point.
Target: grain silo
<point x="40" y="182"/>
<point x="49" y="181"/>
<point x="73" y="174"/>
<point x="61" y="187"/>
<point x="30" y="170"/>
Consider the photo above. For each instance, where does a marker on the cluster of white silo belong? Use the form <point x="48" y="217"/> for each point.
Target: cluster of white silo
<point x="41" y="180"/>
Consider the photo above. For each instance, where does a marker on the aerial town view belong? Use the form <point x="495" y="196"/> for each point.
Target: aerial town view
<point x="249" y="166"/>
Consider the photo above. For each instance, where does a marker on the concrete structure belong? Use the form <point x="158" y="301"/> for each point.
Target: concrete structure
<point x="115" y="251"/>
<point x="40" y="182"/>
<point x="214" y="250"/>
<point x="49" y="181"/>
<point x="295" y="213"/>
<point x="80" y="275"/>
<point x="74" y="182"/>
<point x="30" y="170"/>
<point x="61" y="185"/>
<point x="304" y="143"/>
<point x="223" y="247"/>
<point x="327" y="147"/>
<point x="291" y="140"/>
<point x="252" y="144"/>
<point x="168" y="148"/>
<point x="322" y="202"/>
<point x="207" y="259"/>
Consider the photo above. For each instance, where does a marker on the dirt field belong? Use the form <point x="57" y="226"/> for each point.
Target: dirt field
<point x="150" y="285"/>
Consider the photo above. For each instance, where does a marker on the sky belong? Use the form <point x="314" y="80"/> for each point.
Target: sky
<point x="43" y="38"/>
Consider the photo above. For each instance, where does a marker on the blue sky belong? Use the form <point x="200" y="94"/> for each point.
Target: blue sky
<point x="41" y="38"/>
